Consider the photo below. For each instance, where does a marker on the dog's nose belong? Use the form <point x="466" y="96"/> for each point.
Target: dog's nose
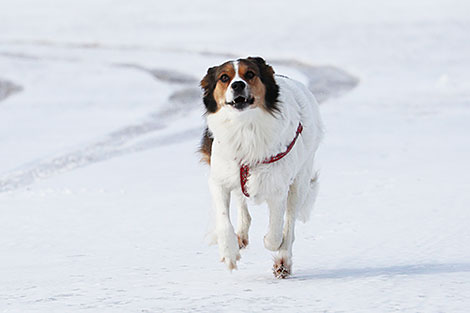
<point x="238" y="86"/>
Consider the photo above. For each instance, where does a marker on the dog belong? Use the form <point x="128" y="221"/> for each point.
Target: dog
<point x="262" y="133"/>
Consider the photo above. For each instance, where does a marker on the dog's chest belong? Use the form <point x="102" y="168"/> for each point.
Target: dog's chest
<point x="263" y="180"/>
<point x="269" y="180"/>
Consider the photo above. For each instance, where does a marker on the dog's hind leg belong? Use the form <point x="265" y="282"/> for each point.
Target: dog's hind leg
<point x="243" y="220"/>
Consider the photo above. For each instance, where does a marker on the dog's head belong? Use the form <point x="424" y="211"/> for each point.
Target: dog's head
<point x="241" y="84"/>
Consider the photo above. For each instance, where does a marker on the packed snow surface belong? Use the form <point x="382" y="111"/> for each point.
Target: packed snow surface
<point x="104" y="205"/>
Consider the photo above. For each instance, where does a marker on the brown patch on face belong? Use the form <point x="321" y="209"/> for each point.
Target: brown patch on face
<point x="214" y="87"/>
<point x="266" y="75"/>
<point x="249" y="72"/>
<point x="223" y="82"/>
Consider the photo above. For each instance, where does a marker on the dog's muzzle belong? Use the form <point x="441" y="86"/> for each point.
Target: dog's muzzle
<point x="241" y="99"/>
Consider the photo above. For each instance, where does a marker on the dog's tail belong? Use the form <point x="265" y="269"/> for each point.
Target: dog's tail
<point x="304" y="210"/>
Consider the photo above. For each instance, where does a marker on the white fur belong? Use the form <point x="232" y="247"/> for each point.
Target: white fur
<point x="289" y="186"/>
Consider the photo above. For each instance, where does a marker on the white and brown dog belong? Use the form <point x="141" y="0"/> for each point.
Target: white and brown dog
<point x="262" y="134"/>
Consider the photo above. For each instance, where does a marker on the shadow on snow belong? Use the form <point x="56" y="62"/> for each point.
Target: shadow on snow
<point x="399" y="270"/>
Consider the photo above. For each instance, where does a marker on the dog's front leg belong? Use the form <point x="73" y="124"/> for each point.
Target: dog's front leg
<point x="243" y="221"/>
<point x="277" y="208"/>
<point x="226" y="238"/>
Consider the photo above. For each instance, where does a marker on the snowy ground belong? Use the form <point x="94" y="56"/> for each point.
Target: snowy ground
<point x="104" y="206"/>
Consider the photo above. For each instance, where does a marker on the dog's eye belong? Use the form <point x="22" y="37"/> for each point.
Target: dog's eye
<point x="249" y="75"/>
<point x="224" y="78"/>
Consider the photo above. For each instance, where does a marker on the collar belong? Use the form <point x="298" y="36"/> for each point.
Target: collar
<point x="245" y="169"/>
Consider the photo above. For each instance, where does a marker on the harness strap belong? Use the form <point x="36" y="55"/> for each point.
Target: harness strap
<point x="245" y="169"/>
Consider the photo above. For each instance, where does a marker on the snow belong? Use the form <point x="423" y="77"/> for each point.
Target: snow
<point x="104" y="205"/>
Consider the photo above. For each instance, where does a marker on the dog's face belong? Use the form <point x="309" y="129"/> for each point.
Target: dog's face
<point x="240" y="85"/>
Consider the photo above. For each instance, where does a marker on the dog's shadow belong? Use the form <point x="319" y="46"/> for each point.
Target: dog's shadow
<point x="406" y="270"/>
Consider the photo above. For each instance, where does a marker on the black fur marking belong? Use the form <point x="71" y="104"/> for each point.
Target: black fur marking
<point x="208" y="85"/>
<point x="267" y="77"/>
<point x="206" y="145"/>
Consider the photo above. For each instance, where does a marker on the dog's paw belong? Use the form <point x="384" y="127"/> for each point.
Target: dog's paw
<point x="273" y="241"/>
<point x="242" y="240"/>
<point x="282" y="267"/>
<point x="231" y="262"/>
<point x="229" y="251"/>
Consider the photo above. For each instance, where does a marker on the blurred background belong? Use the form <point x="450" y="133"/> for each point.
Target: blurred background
<point x="104" y="206"/>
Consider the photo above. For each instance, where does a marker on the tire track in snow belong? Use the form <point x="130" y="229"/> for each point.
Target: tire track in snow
<point x="108" y="148"/>
<point x="324" y="81"/>
<point x="8" y="88"/>
<point x="411" y="269"/>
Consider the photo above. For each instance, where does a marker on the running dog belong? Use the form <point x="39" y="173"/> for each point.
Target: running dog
<point x="263" y="131"/>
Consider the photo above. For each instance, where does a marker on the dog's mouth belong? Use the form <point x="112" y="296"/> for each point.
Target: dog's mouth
<point x="241" y="102"/>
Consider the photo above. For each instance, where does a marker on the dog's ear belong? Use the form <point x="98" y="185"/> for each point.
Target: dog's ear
<point x="208" y="85"/>
<point x="267" y="77"/>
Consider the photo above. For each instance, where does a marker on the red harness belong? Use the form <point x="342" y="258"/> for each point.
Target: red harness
<point x="245" y="169"/>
